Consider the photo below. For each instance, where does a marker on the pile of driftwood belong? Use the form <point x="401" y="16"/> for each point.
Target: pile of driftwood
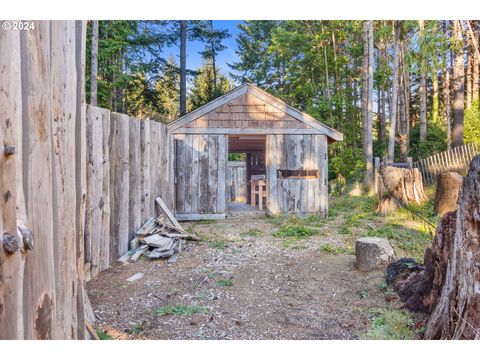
<point x="158" y="238"/>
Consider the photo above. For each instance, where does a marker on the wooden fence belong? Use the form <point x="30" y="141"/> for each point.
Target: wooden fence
<point x="42" y="181"/>
<point x="128" y="166"/>
<point x="236" y="181"/>
<point x="73" y="187"/>
<point x="456" y="159"/>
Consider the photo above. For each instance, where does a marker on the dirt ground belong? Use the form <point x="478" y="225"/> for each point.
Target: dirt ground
<point x="245" y="283"/>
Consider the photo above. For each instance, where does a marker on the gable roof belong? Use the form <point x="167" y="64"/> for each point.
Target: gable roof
<point x="251" y="89"/>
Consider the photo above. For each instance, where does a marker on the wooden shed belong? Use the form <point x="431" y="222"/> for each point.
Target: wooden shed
<point x="283" y="148"/>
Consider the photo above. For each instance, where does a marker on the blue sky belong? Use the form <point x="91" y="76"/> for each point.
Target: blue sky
<point x="194" y="59"/>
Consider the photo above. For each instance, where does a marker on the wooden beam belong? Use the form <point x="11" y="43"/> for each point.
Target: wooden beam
<point x="253" y="131"/>
<point x="168" y="213"/>
<point x="195" y="217"/>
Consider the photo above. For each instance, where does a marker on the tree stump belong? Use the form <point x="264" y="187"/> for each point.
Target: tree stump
<point x="399" y="186"/>
<point x="446" y="195"/>
<point x="372" y="253"/>
<point x="450" y="281"/>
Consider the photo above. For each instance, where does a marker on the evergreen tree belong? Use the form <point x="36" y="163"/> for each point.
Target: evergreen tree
<point x="203" y="90"/>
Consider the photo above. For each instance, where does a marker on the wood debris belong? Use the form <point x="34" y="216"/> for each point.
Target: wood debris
<point x="158" y="238"/>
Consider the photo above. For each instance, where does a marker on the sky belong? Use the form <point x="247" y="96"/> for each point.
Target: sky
<point x="194" y="59"/>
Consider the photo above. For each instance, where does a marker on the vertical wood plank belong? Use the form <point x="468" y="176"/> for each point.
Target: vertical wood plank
<point x="179" y="172"/>
<point x="195" y="179"/>
<point x="105" y="197"/>
<point x="134" y="178"/>
<point x="121" y="186"/>
<point x="222" y="171"/>
<point x="145" y="163"/>
<point x="187" y="206"/>
<point x="63" y="109"/>
<point x="271" y="168"/>
<point x="323" y="163"/>
<point x="212" y="173"/>
<point x="39" y="267"/>
<point x="12" y="207"/>
<point x="204" y="174"/>
<point x="80" y="171"/>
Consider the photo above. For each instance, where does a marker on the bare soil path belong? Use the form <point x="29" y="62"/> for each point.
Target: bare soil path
<point x="244" y="281"/>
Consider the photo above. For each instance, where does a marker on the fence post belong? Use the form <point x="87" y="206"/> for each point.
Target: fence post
<point x="410" y="162"/>
<point x="376" y="162"/>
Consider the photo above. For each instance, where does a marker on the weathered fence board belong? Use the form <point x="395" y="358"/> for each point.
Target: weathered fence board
<point x="237" y="181"/>
<point x="64" y="107"/>
<point x="456" y="159"/>
<point x="135" y="177"/>
<point x="75" y="182"/>
<point x="42" y="119"/>
<point x="127" y="167"/>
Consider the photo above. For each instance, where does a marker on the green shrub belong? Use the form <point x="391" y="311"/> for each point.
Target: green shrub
<point x="471" y="130"/>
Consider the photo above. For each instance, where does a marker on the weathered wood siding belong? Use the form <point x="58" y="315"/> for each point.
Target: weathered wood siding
<point x="200" y="171"/>
<point x="247" y="111"/>
<point x="128" y="166"/>
<point x="237" y="181"/>
<point x="42" y="181"/>
<point x="296" y="195"/>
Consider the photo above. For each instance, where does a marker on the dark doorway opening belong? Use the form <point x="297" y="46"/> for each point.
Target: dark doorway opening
<point x="252" y="149"/>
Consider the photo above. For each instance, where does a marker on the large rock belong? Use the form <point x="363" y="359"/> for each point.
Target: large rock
<point x="373" y="253"/>
<point x="446" y="196"/>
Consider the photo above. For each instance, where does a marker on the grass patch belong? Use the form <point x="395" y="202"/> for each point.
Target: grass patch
<point x="391" y="324"/>
<point x="180" y="310"/>
<point x="412" y="242"/>
<point x="218" y="244"/>
<point x="206" y="221"/>
<point x="224" y="282"/>
<point x="252" y="232"/>
<point x="103" y="335"/>
<point x="334" y="250"/>
<point x="136" y="329"/>
<point x="295" y="231"/>
<point x="96" y="292"/>
<point x="293" y="243"/>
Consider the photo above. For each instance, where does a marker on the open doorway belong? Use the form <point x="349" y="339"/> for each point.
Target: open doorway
<point x="246" y="177"/>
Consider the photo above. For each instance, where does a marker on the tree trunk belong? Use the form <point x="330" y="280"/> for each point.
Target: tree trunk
<point x="469" y="74"/>
<point x="94" y="64"/>
<point x="365" y="90"/>
<point x="435" y="103"/>
<point x="458" y="85"/>
<point x="403" y="107"/>
<point x="456" y="313"/>
<point x="446" y="90"/>
<point x="475" y="40"/>
<point x="422" y="90"/>
<point x="369" y="184"/>
<point x="447" y="288"/>
<point x="399" y="187"/>
<point x="214" y="73"/>
<point x="446" y="194"/>
<point x="393" y="104"/>
<point x="183" y="67"/>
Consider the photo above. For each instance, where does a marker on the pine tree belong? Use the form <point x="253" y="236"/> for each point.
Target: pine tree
<point x="203" y="90"/>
